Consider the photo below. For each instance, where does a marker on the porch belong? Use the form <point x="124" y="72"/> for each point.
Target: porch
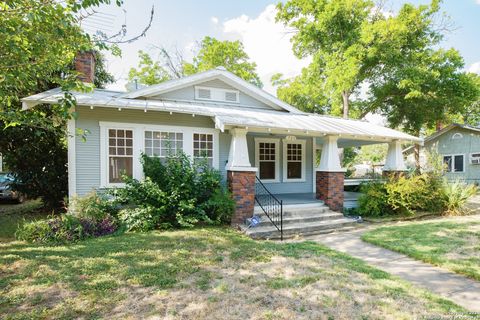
<point x="350" y="198"/>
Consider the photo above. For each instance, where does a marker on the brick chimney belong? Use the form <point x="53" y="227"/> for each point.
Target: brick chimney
<point x="439" y="126"/>
<point x="85" y="65"/>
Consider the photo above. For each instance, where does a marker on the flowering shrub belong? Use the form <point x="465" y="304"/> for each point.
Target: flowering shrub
<point x="66" y="228"/>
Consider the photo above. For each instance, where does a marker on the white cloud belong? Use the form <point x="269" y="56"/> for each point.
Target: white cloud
<point x="478" y="1"/>
<point x="267" y="43"/>
<point x="214" y="20"/>
<point x="475" y="67"/>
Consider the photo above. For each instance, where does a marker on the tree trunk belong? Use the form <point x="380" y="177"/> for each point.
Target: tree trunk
<point x="345" y="96"/>
<point x="416" y="152"/>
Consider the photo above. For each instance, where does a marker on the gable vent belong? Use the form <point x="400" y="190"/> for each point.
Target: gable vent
<point x="231" y="96"/>
<point x="204" y="93"/>
<point x="217" y="94"/>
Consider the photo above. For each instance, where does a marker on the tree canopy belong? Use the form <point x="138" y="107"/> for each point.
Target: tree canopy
<point x="354" y="46"/>
<point x="211" y="53"/>
<point x="39" y="42"/>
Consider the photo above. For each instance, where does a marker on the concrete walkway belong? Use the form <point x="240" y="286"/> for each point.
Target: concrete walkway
<point x="461" y="290"/>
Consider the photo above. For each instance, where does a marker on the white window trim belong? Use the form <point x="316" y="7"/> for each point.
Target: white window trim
<point x="277" y="158"/>
<point x="472" y="157"/>
<point x="453" y="162"/>
<point x="139" y="145"/>
<point x="285" y="161"/>
<point x="212" y="89"/>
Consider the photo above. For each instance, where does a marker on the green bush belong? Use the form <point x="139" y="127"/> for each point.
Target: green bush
<point x="455" y="195"/>
<point x="176" y="192"/>
<point x="93" y="205"/>
<point x="373" y="200"/>
<point x="66" y="228"/>
<point x="407" y="195"/>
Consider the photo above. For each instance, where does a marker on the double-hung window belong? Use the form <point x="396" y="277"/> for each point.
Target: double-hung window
<point x="120" y="154"/>
<point x="163" y="143"/>
<point x="294" y="160"/>
<point x="454" y="163"/>
<point x="203" y="147"/>
<point x="267" y="159"/>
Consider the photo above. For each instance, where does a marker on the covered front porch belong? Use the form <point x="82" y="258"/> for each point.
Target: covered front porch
<point x="298" y="167"/>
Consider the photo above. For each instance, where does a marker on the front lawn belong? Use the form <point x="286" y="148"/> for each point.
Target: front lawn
<point x="454" y="245"/>
<point x="210" y="273"/>
<point x="12" y="215"/>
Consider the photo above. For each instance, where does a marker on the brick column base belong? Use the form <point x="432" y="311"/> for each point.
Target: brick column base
<point x="392" y="174"/>
<point x="242" y="186"/>
<point x="330" y="188"/>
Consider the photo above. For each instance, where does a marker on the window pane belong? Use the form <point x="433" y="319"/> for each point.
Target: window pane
<point x="119" y="166"/>
<point x="447" y="160"/>
<point x="267" y="170"/>
<point x="458" y="163"/>
<point x="294" y="170"/>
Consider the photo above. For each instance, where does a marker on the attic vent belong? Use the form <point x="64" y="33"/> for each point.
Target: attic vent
<point x="231" y="96"/>
<point x="457" y="135"/>
<point x="217" y="94"/>
<point x="204" y="93"/>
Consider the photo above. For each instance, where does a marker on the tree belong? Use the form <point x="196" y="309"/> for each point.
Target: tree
<point x="39" y="42"/>
<point x="332" y="32"/>
<point x="212" y="53"/>
<point x="149" y="72"/>
<point x="229" y="54"/>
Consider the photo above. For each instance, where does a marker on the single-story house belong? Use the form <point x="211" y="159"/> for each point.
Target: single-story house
<point x="459" y="147"/>
<point x="249" y="135"/>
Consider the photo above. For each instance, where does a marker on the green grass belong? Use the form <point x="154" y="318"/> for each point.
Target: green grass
<point x="12" y="215"/>
<point x="200" y="274"/>
<point x="449" y="244"/>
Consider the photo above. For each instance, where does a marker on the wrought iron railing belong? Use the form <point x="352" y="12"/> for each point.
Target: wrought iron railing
<point x="271" y="206"/>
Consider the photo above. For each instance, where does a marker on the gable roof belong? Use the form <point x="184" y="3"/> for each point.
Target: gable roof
<point x="442" y="132"/>
<point x="218" y="73"/>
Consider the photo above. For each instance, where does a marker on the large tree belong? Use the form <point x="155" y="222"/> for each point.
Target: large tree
<point x="396" y="57"/>
<point x="210" y="54"/>
<point x="39" y="42"/>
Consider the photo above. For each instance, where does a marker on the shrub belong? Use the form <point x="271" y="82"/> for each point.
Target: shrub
<point x="66" y="228"/>
<point x="176" y="192"/>
<point x="373" y="200"/>
<point x="455" y="196"/>
<point x="93" y="205"/>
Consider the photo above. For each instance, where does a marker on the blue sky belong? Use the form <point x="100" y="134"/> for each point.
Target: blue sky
<point x="181" y="23"/>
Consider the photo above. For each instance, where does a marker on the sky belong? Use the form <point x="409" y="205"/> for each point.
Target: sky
<point x="183" y="23"/>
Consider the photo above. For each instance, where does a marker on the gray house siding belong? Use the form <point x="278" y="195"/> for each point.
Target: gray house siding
<point x="188" y="93"/>
<point x="88" y="152"/>
<point x="88" y="173"/>
<point x="286" y="187"/>
<point x="468" y="143"/>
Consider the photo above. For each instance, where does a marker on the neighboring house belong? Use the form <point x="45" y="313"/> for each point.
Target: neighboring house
<point x="244" y="132"/>
<point x="459" y="147"/>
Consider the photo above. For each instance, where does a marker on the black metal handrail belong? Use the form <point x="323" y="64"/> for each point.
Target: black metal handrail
<point x="271" y="206"/>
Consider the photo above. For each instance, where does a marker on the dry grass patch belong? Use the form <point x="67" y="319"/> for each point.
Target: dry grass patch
<point x="210" y="273"/>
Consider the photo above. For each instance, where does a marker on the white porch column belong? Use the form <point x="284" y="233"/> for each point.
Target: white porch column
<point x="330" y="160"/>
<point x="238" y="159"/>
<point x="330" y="176"/>
<point x="394" y="161"/>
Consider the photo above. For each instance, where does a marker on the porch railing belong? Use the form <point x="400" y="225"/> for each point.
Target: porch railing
<point x="271" y="206"/>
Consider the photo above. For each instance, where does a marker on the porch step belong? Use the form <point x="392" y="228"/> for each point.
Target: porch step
<point x="302" y="228"/>
<point x="301" y="220"/>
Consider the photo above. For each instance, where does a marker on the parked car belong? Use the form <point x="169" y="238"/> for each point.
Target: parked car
<point x="6" y="192"/>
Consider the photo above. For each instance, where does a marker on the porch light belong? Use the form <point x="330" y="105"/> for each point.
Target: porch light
<point x="91" y="107"/>
<point x="171" y="112"/>
<point x="269" y="130"/>
<point x="119" y="109"/>
<point x="193" y="115"/>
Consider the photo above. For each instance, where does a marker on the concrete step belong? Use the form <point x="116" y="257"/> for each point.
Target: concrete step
<point x="301" y="228"/>
<point x="296" y="207"/>
<point x="301" y="218"/>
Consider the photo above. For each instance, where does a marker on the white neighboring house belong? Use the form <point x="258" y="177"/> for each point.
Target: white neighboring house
<point x="249" y="135"/>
